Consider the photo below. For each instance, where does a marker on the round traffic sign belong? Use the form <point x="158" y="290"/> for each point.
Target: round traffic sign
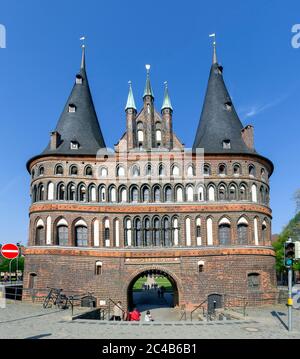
<point x="10" y="251"/>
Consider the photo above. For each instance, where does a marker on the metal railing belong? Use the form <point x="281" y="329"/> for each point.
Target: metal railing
<point x="198" y="307"/>
<point x="235" y="300"/>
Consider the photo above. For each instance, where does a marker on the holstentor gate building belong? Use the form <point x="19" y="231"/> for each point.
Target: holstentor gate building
<point x="99" y="219"/>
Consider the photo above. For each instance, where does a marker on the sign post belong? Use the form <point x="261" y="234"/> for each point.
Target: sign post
<point x="10" y="251"/>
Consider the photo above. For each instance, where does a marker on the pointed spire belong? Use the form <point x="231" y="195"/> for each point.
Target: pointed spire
<point x="148" y="89"/>
<point x="83" y="58"/>
<point x="167" y="101"/>
<point x="82" y="66"/>
<point x="130" y="100"/>
<point x="214" y="48"/>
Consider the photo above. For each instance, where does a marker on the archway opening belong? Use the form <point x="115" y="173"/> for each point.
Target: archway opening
<point x="152" y="289"/>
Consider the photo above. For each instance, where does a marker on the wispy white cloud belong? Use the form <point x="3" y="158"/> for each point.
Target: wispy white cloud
<point x="256" y="109"/>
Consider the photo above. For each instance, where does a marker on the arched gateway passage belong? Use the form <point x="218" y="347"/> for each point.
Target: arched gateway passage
<point x="152" y="288"/>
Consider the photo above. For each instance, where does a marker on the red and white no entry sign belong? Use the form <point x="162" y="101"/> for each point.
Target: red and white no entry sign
<point x="10" y="251"/>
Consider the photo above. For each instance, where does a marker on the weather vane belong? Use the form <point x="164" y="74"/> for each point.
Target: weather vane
<point x="82" y="38"/>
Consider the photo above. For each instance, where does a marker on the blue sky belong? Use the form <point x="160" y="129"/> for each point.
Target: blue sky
<point x="261" y="70"/>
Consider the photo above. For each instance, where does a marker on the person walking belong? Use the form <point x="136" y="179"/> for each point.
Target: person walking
<point x="118" y="311"/>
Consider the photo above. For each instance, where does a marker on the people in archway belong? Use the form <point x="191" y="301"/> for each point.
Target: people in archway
<point x="162" y="291"/>
<point x="135" y="315"/>
<point x="148" y="317"/>
<point x="158" y="292"/>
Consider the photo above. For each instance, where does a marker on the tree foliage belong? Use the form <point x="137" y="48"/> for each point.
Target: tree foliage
<point x="292" y="230"/>
<point x="4" y="264"/>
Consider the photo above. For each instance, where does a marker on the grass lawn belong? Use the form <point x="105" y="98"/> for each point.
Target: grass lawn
<point x="160" y="281"/>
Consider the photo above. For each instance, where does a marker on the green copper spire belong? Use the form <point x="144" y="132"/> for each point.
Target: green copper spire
<point x="130" y="100"/>
<point x="148" y="89"/>
<point x="167" y="101"/>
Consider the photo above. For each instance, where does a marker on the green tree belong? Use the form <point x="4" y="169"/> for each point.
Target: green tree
<point x="292" y="230"/>
<point x="4" y="264"/>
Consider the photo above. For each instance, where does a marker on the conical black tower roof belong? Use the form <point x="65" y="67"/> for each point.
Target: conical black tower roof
<point x="81" y="126"/>
<point x="219" y="121"/>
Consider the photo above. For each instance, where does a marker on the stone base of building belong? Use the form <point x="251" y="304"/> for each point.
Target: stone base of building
<point x="195" y="273"/>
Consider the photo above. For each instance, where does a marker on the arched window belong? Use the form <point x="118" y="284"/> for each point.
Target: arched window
<point x="161" y="170"/>
<point x="263" y="174"/>
<point x="147" y="233"/>
<point x="128" y="232"/>
<point x="32" y="174"/>
<point x="190" y="194"/>
<point x="251" y="170"/>
<point x="158" y="135"/>
<point x="242" y="231"/>
<point x="123" y="195"/>
<point x="222" y="169"/>
<point x="148" y="170"/>
<point x="41" y="170"/>
<point x="146" y="194"/>
<point x="34" y="194"/>
<point x="82" y="193"/>
<point x="32" y="280"/>
<point x="40" y="235"/>
<point x="135" y="171"/>
<point x="61" y="190"/>
<point x="71" y="191"/>
<point x="73" y="170"/>
<point x="200" y="266"/>
<point x="224" y="232"/>
<point x="156" y="194"/>
<point x="206" y="169"/>
<point x="88" y="171"/>
<point x="232" y="193"/>
<point x="262" y="194"/>
<point x="92" y="193"/>
<point x="140" y="132"/>
<point x="134" y="194"/>
<point x="120" y="171"/>
<point x="243" y="193"/>
<point x="190" y="171"/>
<point x="253" y="281"/>
<point x="50" y="191"/>
<point x="254" y="193"/>
<point x="188" y="238"/>
<point x="168" y="194"/>
<point x="222" y="193"/>
<point x="106" y="233"/>
<point x="200" y="193"/>
<point x="102" y="195"/>
<point x="211" y="193"/>
<point x="198" y="231"/>
<point x="156" y="237"/>
<point x="236" y="169"/>
<point x="98" y="268"/>
<point x="179" y="194"/>
<point x="166" y="233"/>
<point x="59" y="170"/>
<point x="103" y="172"/>
<point x="175" y="170"/>
<point x="62" y="235"/>
<point x="112" y="194"/>
<point x="175" y="232"/>
<point x="138" y="233"/>
<point x="41" y="192"/>
<point x="264" y="232"/>
<point x="81" y="236"/>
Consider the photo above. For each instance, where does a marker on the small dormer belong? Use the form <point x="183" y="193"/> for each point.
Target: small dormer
<point x="74" y="145"/>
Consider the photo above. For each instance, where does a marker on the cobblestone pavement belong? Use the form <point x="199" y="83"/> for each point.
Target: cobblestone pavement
<point x="24" y="320"/>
